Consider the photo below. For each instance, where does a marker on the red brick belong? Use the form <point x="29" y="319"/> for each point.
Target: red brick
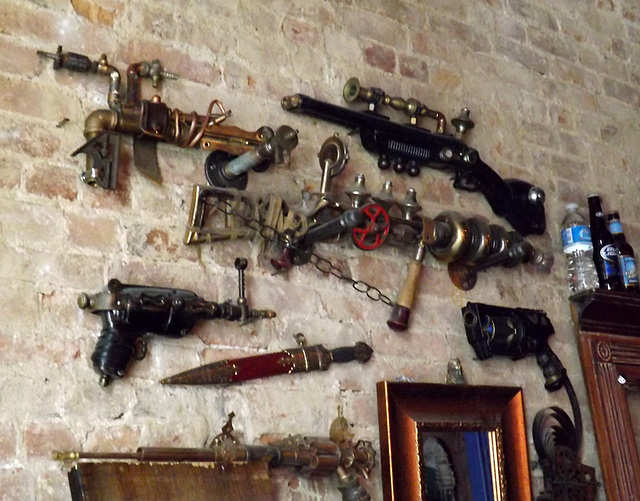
<point x="33" y="100"/>
<point x="52" y="486"/>
<point x="445" y="79"/>
<point x="122" y="438"/>
<point x="52" y="182"/>
<point x="40" y="439"/>
<point x="10" y="170"/>
<point x="621" y="91"/>
<point x="15" y="58"/>
<point x="381" y="57"/>
<point x="300" y="32"/>
<point x="413" y="67"/>
<point x="15" y="485"/>
<point x="33" y="139"/>
<point x="103" y="12"/>
<point x="93" y="232"/>
<point x="7" y="442"/>
<point x="27" y="21"/>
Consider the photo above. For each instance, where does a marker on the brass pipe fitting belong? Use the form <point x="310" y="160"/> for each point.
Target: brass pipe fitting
<point x="100" y="120"/>
<point x="374" y="96"/>
<point x="457" y="237"/>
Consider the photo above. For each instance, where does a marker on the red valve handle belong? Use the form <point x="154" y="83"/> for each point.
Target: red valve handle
<point x="374" y="230"/>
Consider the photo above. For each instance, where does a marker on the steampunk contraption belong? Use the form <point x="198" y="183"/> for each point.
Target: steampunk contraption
<point x="516" y="333"/>
<point x="308" y="456"/>
<point x="234" y="151"/>
<point x="408" y="148"/>
<point x="129" y="312"/>
<point x="467" y="245"/>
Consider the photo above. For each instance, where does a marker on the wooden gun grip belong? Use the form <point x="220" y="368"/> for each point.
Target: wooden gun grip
<point x="399" y="318"/>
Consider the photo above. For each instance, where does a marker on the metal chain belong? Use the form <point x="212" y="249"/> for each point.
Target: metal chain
<point x="322" y="264"/>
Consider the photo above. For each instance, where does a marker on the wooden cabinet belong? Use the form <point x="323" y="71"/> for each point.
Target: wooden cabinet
<point x="608" y="335"/>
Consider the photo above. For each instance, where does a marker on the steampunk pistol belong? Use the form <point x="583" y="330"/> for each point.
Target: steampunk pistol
<point x="128" y="312"/>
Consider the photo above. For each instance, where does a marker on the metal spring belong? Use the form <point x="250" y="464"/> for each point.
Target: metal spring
<point x="408" y="149"/>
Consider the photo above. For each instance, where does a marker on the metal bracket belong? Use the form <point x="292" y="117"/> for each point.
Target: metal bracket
<point x="103" y="152"/>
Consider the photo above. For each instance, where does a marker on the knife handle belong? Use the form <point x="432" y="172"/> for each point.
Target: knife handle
<point x="360" y="352"/>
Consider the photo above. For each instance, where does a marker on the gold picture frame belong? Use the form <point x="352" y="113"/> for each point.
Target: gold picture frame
<point x="409" y="414"/>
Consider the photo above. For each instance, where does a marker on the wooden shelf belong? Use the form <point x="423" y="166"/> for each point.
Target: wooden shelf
<point x="608" y="335"/>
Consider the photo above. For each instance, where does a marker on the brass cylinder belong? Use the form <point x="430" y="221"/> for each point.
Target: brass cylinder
<point x="459" y="241"/>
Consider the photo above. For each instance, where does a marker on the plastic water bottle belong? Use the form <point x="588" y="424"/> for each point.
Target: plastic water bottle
<point x="578" y="250"/>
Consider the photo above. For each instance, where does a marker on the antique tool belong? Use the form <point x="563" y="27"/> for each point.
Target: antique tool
<point x="399" y="318"/>
<point x="308" y="456"/>
<point x="407" y="147"/>
<point x="129" y="312"/>
<point x="234" y="151"/>
<point x="302" y="359"/>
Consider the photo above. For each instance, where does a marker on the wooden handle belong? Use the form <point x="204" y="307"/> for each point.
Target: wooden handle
<point x="399" y="318"/>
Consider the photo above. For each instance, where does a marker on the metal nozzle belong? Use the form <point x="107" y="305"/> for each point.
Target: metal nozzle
<point x="351" y="90"/>
<point x="65" y="455"/>
<point x="289" y="103"/>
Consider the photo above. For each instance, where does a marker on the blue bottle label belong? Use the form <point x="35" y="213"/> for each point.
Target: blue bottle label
<point x="615" y="227"/>
<point x="628" y="270"/>
<point x="576" y="237"/>
<point x="609" y="254"/>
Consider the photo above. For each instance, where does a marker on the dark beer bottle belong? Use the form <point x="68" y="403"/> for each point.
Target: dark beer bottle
<point x="605" y="251"/>
<point x="626" y="257"/>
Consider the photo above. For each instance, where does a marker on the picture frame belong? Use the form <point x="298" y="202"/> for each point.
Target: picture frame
<point x="416" y="419"/>
<point x="608" y="334"/>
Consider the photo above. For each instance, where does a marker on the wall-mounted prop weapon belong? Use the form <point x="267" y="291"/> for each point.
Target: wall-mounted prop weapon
<point x="558" y="447"/>
<point x="308" y="456"/>
<point x="301" y="359"/>
<point x="234" y="151"/>
<point x="129" y="312"/>
<point x="407" y="147"/>
<point x="516" y="333"/>
<point x="467" y="245"/>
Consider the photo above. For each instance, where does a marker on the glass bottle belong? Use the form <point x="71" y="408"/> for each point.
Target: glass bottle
<point x="605" y="251"/>
<point x="626" y="256"/>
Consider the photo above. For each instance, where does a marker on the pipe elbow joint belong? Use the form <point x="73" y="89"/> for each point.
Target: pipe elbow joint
<point x="98" y="121"/>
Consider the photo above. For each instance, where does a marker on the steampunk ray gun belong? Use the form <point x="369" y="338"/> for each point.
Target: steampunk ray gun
<point x="467" y="245"/>
<point x="407" y="148"/>
<point x="234" y="151"/>
<point x="129" y="312"/>
<point x="308" y="456"/>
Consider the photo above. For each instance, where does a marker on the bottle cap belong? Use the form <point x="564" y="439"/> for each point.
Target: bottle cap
<point x="593" y="195"/>
<point x="614" y="214"/>
<point x="571" y="206"/>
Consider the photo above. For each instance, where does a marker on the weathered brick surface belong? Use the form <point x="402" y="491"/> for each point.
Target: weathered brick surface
<point x="552" y="86"/>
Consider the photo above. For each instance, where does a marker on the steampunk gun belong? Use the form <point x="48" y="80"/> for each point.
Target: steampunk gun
<point x="128" y="312"/>
<point x="308" y="456"/>
<point x="516" y="333"/>
<point x="234" y="151"/>
<point x="467" y="245"/>
<point x="407" y="148"/>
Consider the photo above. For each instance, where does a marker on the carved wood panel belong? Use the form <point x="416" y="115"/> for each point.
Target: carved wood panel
<point x="608" y="333"/>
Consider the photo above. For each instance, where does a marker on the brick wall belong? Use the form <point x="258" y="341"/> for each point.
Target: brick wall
<point x="553" y="87"/>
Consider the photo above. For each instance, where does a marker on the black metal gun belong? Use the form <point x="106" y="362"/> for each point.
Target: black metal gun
<point x="128" y="312"/>
<point x="407" y="147"/>
<point x="517" y="332"/>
